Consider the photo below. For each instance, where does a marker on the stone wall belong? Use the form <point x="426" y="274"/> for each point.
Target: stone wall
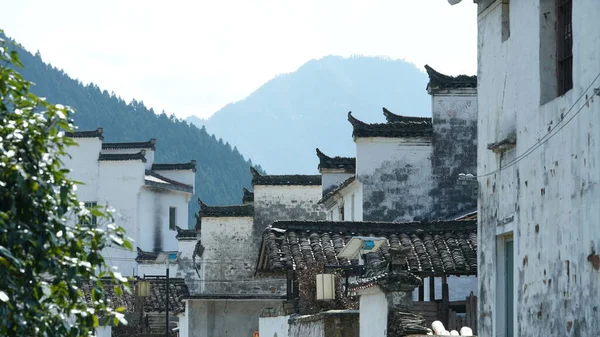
<point x="333" y="323"/>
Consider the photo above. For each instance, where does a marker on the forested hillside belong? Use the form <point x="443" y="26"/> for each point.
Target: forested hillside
<point x="288" y="117"/>
<point x="221" y="170"/>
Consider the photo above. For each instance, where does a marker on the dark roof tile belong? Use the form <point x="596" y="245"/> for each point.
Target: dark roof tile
<point x="225" y="211"/>
<point x="175" y="167"/>
<point x="390" y="130"/>
<point x="439" y="81"/>
<point x="330" y="193"/>
<point x="425" y="248"/>
<point x="164" y="182"/>
<point x="248" y="196"/>
<point x="292" y="180"/>
<point x="347" y="164"/>
<point x="144" y="256"/>
<point x="151" y="145"/>
<point x="86" y="134"/>
<point x="154" y="302"/>
<point x="186" y="234"/>
<point x="123" y="156"/>
<point x="391" y="117"/>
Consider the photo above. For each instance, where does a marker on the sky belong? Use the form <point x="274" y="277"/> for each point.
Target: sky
<point x="194" y="57"/>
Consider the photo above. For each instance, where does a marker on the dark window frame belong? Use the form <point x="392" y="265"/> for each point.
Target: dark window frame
<point x="172" y="218"/>
<point x="90" y="205"/>
<point x="564" y="45"/>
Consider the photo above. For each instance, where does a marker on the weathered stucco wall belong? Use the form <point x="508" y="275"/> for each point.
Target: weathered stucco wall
<point x="154" y="232"/>
<point x="396" y="178"/>
<point x="274" y="326"/>
<point x="454" y="144"/>
<point x="225" y="318"/>
<point x="549" y="201"/>
<point x="229" y="258"/>
<point x="373" y="313"/>
<point x="286" y="202"/>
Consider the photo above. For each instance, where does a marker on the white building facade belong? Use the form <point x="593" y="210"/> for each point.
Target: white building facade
<point x="538" y="148"/>
<point x="149" y="200"/>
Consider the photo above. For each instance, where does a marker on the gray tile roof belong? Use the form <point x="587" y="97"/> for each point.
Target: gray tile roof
<point x="431" y="248"/>
<point x="151" y="144"/>
<point x="86" y="134"/>
<point x="439" y="81"/>
<point x="174" y="167"/>
<point x="347" y="164"/>
<point x="390" y="130"/>
<point x="391" y="117"/>
<point x="154" y="302"/>
<point x="292" y="179"/>
<point x="123" y="156"/>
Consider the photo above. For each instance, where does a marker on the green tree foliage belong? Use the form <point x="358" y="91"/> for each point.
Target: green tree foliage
<point x="221" y="171"/>
<point x="49" y="250"/>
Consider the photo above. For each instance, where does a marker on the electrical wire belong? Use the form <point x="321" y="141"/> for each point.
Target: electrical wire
<point x="559" y="126"/>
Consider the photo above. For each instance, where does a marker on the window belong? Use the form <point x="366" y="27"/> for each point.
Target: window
<point x="564" y="46"/>
<point x="90" y="205"/>
<point x="342" y="213"/>
<point x="505" y="286"/>
<point x="505" y="19"/>
<point x="172" y="218"/>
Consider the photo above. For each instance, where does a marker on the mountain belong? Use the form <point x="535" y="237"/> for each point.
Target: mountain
<point x="221" y="171"/>
<point x="289" y="116"/>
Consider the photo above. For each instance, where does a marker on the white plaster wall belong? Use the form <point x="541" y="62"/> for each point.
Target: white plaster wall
<point x="371" y="152"/>
<point x="183" y="176"/>
<point x="396" y="178"/>
<point x="550" y="198"/>
<point x="373" y="313"/>
<point x="157" y="269"/>
<point x="118" y="187"/>
<point x="103" y="331"/>
<point x="289" y="195"/>
<point x="83" y="163"/>
<point x="224" y="318"/>
<point x="229" y="260"/>
<point x="183" y="323"/>
<point x="462" y="106"/>
<point x="273" y="326"/>
<point x="286" y="203"/>
<point x="154" y="217"/>
<point x="346" y="195"/>
<point x="331" y="179"/>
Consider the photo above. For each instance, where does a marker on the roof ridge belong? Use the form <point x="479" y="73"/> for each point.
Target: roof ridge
<point x="123" y="156"/>
<point x="171" y="181"/>
<point x="395" y="118"/>
<point x="191" y="165"/>
<point x="150" y="144"/>
<point x="98" y="133"/>
<point x="390" y="130"/>
<point x="438" y="80"/>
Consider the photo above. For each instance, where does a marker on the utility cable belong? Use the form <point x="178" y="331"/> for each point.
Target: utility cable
<point x="559" y="126"/>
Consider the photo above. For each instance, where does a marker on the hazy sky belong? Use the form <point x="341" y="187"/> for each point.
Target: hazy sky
<point x="193" y="57"/>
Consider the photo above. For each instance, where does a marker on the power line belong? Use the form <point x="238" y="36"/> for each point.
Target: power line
<point x="559" y="126"/>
